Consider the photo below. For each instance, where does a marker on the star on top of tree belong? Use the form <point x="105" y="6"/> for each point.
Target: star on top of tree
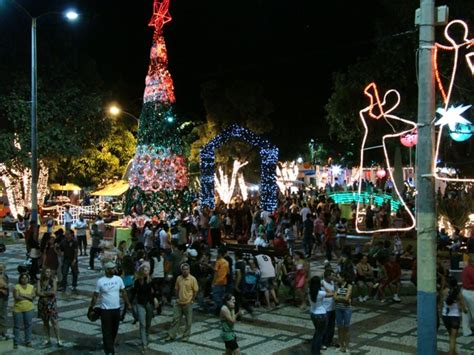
<point x="161" y="15"/>
<point x="452" y="116"/>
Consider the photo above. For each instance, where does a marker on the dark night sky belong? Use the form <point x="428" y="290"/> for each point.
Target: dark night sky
<point x="291" y="47"/>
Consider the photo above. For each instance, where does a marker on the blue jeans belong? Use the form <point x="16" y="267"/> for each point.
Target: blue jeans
<point x="307" y="246"/>
<point x="67" y="264"/>
<point x="320" y="322"/>
<point x="343" y="317"/>
<point x="218" y="292"/>
<point x="145" y="315"/>
<point x="329" y="333"/>
<point x="27" y="319"/>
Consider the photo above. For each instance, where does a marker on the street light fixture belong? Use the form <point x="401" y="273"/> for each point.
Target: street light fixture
<point x="115" y="110"/>
<point x="71" y="16"/>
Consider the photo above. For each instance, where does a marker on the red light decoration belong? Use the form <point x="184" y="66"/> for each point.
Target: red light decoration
<point x="373" y="94"/>
<point x="381" y="173"/>
<point x="161" y="16"/>
<point x="410" y="139"/>
<point x="159" y="83"/>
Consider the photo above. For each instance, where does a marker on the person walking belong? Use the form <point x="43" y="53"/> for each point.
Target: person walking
<point x="228" y="318"/>
<point x="239" y="285"/>
<point x="328" y="302"/>
<point x="81" y="233"/>
<point x="467" y="278"/>
<point x="451" y="302"/>
<point x="144" y="294"/>
<point x="23" y="296"/>
<point x="47" y="307"/>
<point x="4" y="293"/>
<point x="109" y="288"/>
<point x="308" y="237"/>
<point x="215" y="225"/>
<point x="301" y="279"/>
<point x="186" y="288"/>
<point x="96" y="238"/>
<point x="266" y="281"/>
<point x="318" y="313"/>
<point x="343" y="310"/>
<point x="67" y="218"/>
<point x="68" y="248"/>
<point x="51" y="255"/>
<point x="219" y="283"/>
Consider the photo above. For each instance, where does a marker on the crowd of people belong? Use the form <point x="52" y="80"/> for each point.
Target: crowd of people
<point x="185" y="259"/>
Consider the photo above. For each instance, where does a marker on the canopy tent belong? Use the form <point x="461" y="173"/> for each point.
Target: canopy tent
<point x="115" y="189"/>
<point x="66" y="187"/>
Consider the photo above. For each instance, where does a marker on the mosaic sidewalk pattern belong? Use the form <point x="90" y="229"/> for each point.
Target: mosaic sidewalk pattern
<point x="376" y="328"/>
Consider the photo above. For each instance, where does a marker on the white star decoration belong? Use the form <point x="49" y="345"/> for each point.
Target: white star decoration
<point x="452" y="116"/>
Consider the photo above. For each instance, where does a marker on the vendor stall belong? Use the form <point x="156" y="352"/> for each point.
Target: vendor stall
<point x="67" y="193"/>
<point x="117" y="188"/>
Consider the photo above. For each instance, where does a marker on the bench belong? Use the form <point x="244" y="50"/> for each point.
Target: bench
<point x="8" y="228"/>
<point x="253" y="250"/>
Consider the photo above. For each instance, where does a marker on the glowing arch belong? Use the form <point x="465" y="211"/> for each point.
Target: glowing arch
<point x="269" y="159"/>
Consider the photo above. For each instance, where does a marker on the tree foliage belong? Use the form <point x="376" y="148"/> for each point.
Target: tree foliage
<point x="76" y="139"/>
<point x="226" y="102"/>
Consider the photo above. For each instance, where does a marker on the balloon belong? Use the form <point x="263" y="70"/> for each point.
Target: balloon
<point x="381" y="173"/>
<point x="462" y="132"/>
<point x="409" y="139"/>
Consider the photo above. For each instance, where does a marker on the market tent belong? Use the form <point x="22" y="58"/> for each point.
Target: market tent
<point x="115" y="189"/>
<point x="66" y="187"/>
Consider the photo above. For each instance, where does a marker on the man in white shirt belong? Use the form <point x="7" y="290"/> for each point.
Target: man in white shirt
<point x="81" y="233"/>
<point x="67" y="218"/>
<point x="266" y="278"/>
<point x="305" y="211"/>
<point x="109" y="287"/>
<point x="164" y="240"/>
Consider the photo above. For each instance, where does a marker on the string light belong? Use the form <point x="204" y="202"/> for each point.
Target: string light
<point x="371" y="92"/>
<point x="242" y="187"/>
<point x="224" y="188"/>
<point x="364" y="198"/>
<point x="286" y="175"/>
<point x="17" y="182"/>
<point x="454" y="46"/>
<point x="268" y="153"/>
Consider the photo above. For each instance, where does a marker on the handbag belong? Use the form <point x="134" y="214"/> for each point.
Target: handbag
<point x="94" y="313"/>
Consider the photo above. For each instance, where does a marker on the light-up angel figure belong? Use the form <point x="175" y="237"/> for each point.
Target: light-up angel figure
<point x="451" y="116"/>
<point x="378" y="109"/>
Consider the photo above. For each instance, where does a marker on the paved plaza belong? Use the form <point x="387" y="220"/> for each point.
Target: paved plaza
<point x="376" y="328"/>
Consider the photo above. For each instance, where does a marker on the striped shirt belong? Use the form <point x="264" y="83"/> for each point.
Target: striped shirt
<point x="342" y="292"/>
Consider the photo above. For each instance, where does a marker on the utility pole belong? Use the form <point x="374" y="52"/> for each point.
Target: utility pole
<point x="425" y="198"/>
<point x="34" y="127"/>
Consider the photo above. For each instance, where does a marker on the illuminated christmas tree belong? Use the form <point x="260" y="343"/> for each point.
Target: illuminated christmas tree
<point x="158" y="178"/>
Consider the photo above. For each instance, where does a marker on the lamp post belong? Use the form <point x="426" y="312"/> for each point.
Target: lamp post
<point x="71" y="16"/>
<point x="114" y="110"/>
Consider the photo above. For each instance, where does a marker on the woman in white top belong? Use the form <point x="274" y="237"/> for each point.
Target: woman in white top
<point x="318" y="313"/>
<point x="452" y="302"/>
